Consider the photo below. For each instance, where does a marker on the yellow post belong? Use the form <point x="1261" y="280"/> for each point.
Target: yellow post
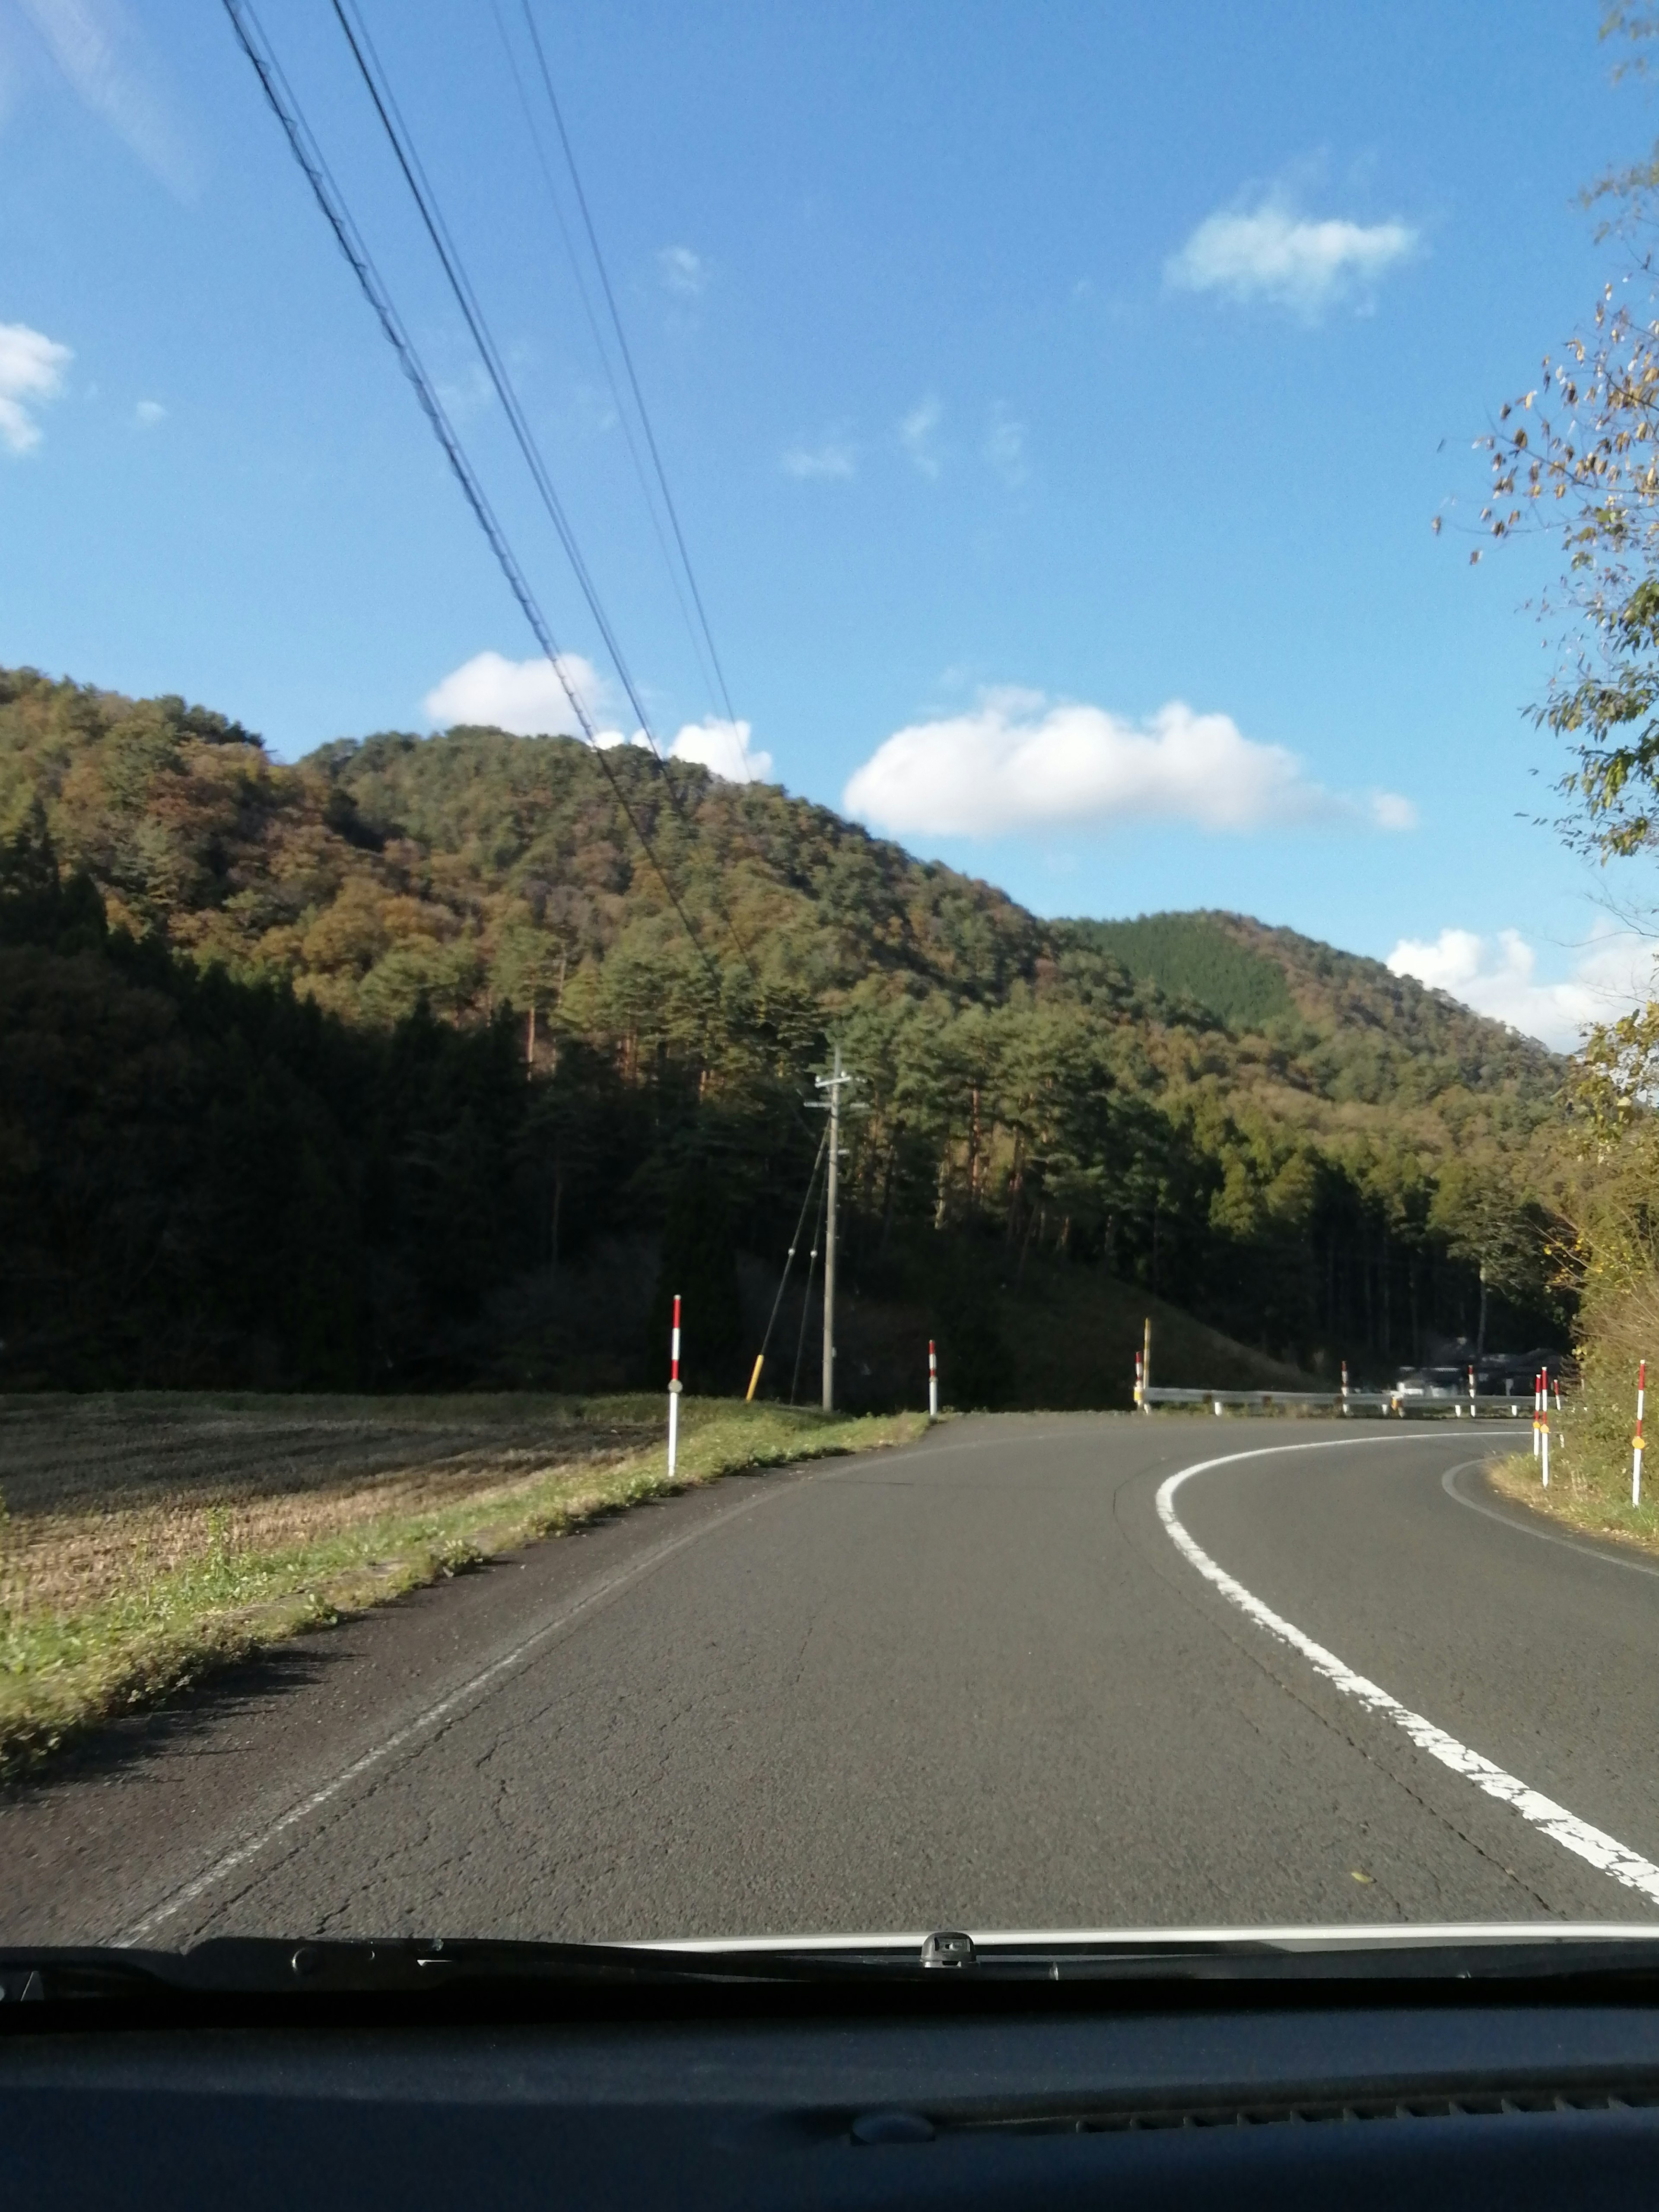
<point x="760" y="1357"/>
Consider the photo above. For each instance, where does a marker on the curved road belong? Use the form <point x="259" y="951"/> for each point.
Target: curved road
<point x="984" y="1682"/>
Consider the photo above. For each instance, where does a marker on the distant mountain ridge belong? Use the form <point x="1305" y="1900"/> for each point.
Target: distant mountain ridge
<point x="1276" y="1134"/>
<point x="187" y="825"/>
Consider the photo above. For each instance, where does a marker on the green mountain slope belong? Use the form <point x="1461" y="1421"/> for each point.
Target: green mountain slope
<point x="1279" y="1137"/>
<point x="1197" y="957"/>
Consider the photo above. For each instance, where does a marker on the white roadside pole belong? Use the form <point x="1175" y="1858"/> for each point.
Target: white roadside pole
<point x="674" y="1390"/>
<point x="1471" y="1394"/>
<point x="1345" y="1391"/>
<point x="1545" y="1428"/>
<point x="1138" y="1381"/>
<point x="932" y="1382"/>
<point x="1636" y="1449"/>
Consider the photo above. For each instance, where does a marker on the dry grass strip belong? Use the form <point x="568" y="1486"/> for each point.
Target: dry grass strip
<point x="145" y="1539"/>
<point x="1584" y="1493"/>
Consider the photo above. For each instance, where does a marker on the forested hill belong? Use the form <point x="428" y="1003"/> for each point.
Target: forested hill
<point x="1371" y="1022"/>
<point x="1293" y="1143"/>
<point x="478" y="866"/>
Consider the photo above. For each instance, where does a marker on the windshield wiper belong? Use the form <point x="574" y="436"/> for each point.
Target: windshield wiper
<point x="1572" y="1960"/>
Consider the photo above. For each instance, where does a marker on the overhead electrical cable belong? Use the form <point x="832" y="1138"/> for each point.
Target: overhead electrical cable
<point x="426" y="201"/>
<point x="303" y="144"/>
<point x="401" y="141"/>
<point x="783" y="1280"/>
<point x="624" y="417"/>
<point x="628" y="363"/>
<point x="806" y="1297"/>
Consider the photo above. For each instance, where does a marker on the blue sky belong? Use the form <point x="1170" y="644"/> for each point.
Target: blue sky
<point x="1056" y="401"/>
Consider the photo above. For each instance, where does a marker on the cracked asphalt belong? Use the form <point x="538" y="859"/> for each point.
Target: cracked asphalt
<point x="969" y="1683"/>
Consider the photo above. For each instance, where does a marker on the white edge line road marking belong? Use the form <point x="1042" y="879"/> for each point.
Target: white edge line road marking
<point x="1602" y="1851"/>
<point x="1608" y="1559"/>
<point x="240" y="1854"/>
<point x="596" y="1593"/>
<point x="239" y="1857"/>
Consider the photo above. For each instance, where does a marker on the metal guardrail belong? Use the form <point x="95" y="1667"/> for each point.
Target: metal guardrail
<point x="1399" y="1403"/>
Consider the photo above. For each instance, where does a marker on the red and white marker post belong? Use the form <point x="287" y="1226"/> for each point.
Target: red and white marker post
<point x="932" y="1382"/>
<point x="1544" y="1430"/>
<point x="1537" y="1411"/>
<point x="1137" y="1382"/>
<point x="1471" y="1394"/>
<point x="674" y="1390"/>
<point x="1636" y="1447"/>
<point x="1344" y="1390"/>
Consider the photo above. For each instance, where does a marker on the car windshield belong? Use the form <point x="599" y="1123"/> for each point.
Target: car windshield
<point x="826" y="1069"/>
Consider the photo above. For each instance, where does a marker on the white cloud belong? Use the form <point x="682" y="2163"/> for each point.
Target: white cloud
<point x="149" y="412"/>
<point x="32" y="368"/>
<point x="723" y="748"/>
<point x="683" y="272"/>
<point x="1498" y="977"/>
<point x="833" y="460"/>
<point x="1271" y="252"/>
<point x="102" y="55"/>
<point x="1005" y="449"/>
<point x="1017" y="763"/>
<point x="525" y="696"/>
<point x="916" y="435"/>
<point x="529" y="698"/>
<point x="1390" y="811"/>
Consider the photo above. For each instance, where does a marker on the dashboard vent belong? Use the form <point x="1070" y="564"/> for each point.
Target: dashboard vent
<point x="1325" y="2109"/>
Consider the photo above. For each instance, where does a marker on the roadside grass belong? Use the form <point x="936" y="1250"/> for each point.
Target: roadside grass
<point x="1590" y="1488"/>
<point x="145" y="1541"/>
<point x="1591" y="1428"/>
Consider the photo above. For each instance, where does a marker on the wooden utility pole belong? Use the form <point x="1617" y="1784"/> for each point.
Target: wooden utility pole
<point x="1147" y="1367"/>
<point x="834" y="1083"/>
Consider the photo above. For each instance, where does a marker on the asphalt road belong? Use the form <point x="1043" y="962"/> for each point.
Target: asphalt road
<point x="982" y="1683"/>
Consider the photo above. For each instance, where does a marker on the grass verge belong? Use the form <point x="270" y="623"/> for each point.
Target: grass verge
<point x="1584" y="1493"/>
<point x="115" y="1590"/>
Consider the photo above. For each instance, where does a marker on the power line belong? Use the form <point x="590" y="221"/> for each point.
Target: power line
<point x="401" y="140"/>
<point x="789" y="1262"/>
<point x="402" y="146"/>
<point x="805" y="1311"/>
<point x="303" y="144"/>
<point x="628" y="362"/>
<point x="623" y="416"/>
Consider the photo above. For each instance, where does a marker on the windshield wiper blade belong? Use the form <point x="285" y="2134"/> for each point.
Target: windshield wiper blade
<point x="241" y="1967"/>
<point x="262" y="1966"/>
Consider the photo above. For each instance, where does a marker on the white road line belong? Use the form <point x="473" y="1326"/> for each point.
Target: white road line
<point x="1607" y="1558"/>
<point x="1602" y="1851"/>
<point x="429" y="1718"/>
<point x="242" y="1854"/>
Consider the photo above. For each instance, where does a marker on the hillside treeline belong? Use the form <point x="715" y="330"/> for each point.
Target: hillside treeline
<point x="398" y="1066"/>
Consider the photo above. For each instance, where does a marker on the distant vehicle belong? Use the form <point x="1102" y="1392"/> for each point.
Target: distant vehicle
<point x="1510" y="1373"/>
<point x="1432" y="1383"/>
<point x="1498" y="1375"/>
